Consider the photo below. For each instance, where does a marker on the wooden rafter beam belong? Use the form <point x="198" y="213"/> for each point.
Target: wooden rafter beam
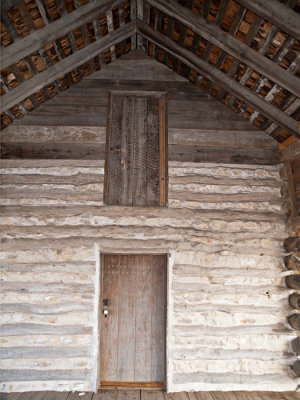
<point x="40" y="38"/>
<point x="5" y="4"/>
<point x="220" y="78"/>
<point x="276" y="13"/>
<point x="66" y="65"/>
<point x="229" y="44"/>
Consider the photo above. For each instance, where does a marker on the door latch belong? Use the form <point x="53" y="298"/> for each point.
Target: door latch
<point x="105" y="307"/>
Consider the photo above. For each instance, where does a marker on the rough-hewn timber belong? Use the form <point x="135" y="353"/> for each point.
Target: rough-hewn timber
<point x="72" y="126"/>
<point x="224" y="228"/>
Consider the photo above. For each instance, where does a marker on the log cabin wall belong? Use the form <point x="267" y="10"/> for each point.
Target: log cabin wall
<point x="224" y="228"/>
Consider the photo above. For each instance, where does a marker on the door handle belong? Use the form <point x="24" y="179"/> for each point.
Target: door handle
<point x="105" y="307"/>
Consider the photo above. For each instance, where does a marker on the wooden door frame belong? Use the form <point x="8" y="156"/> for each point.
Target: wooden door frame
<point x="169" y="308"/>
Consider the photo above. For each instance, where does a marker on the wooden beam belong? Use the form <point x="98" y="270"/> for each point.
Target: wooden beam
<point x="40" y="38"/>
<point x="291" y="152"/>
<point x="5" y="4"/>
<point x="229" y="44"/>
<point x="68" y="64"/>
<point x="276" y="13"/>
<point x="219" y="77"/>
<point x="292" y="188"/>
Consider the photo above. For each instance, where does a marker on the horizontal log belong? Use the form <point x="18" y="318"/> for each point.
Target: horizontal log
<point x="201" y="234"/>
<point x="45" y="352"/>
<point x="56" y="134"/>
<point x="222" y="354"/>
<point x="212" y="73"/>
<point x="296" y="345"/>
<point x="296" y="367"/>
<point x="30" y="386"/>
<point x="40" y="329"/>
<point x="34" y="179"/>
<point x="294" y="321"/>
<point x="52" y="309"/>
<point x="232" y="379"/>
<point x="240" y="197"/>
<point x="293" y="281"/>
<point x="48" y="287"/>
<point x="13" y="375"/>
<point x="195" y="330"/>
<point x="294" y="301"/>
<point x="257" y="366"/>
<point x="53" y="167"/>
<point x="292" y="244"/>
<point x="106" y="215"/>
<point x="292" y="262"/>
<point x="270" y="342"/>
<point x="46" y="363"/>
<point x="53" y="340"/>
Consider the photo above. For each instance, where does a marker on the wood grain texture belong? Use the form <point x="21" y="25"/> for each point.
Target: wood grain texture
<point x="134" y="147"/>
<point x="82" y="114"/>
<point x="132" y="338"/>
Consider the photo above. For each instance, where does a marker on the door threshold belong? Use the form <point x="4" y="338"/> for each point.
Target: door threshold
<point x="132" y="385"/>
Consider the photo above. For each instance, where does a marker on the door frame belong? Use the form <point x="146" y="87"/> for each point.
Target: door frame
<point x="96" y="384"/>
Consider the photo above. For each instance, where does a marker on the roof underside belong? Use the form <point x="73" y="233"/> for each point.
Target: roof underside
<point x="246" y="53"/>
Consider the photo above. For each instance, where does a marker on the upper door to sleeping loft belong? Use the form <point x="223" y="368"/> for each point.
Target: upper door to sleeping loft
<point x="136" y="149"/>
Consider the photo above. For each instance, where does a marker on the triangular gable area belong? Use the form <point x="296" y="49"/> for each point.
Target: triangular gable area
<point x="72" y="125"/>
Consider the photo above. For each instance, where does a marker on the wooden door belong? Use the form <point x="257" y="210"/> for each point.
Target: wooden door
<point x="133" y="334"/>
<point x="136" y="149"/>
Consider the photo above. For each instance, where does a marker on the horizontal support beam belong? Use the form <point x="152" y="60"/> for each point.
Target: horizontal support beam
<point x="276" y="13"/>
<point x="67" y="65"/>
<point x="40" y="38"/>
<point x="215" y="75"/>
<point x="229" y="44"/>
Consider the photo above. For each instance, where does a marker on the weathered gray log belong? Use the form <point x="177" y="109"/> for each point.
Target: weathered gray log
<point x="296" y="367"/>
<point x="212" y="73"/>
<point x="294" y="301"/>
<point x="15" y="375"/>
<point x="294" y="321"/>
<point x="292" y="262"/>
<point x="293" y="281"/>
<point x="292" y="243"/>
<point x="45" y="352"/>
<point x="296" y="345"/>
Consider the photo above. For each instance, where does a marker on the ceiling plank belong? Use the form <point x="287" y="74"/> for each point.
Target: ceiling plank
<point x="40" y="38"/>
<point x="218" y="77"/>
<point x="229" y="44"/>
<point x="276" y="13"/>
<point x="66" y="65"/>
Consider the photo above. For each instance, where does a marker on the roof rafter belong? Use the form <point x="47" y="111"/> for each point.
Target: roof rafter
<point x="276" y="13"/>
<point x="212" y="73"/>
<point x="40" y="38"/>
<point x="229" y="44"/>
<point x="66" y="65"/>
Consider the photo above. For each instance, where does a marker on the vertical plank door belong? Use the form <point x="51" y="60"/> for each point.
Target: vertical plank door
<point x="133" y="335"/>
<point x="136" y="149"/>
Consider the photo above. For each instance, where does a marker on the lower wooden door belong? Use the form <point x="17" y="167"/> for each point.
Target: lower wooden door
<point x="133" y="334"/>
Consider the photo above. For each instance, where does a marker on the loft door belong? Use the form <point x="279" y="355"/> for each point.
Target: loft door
<point x="133" y="322"/>
<point x="136" y="149"/>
